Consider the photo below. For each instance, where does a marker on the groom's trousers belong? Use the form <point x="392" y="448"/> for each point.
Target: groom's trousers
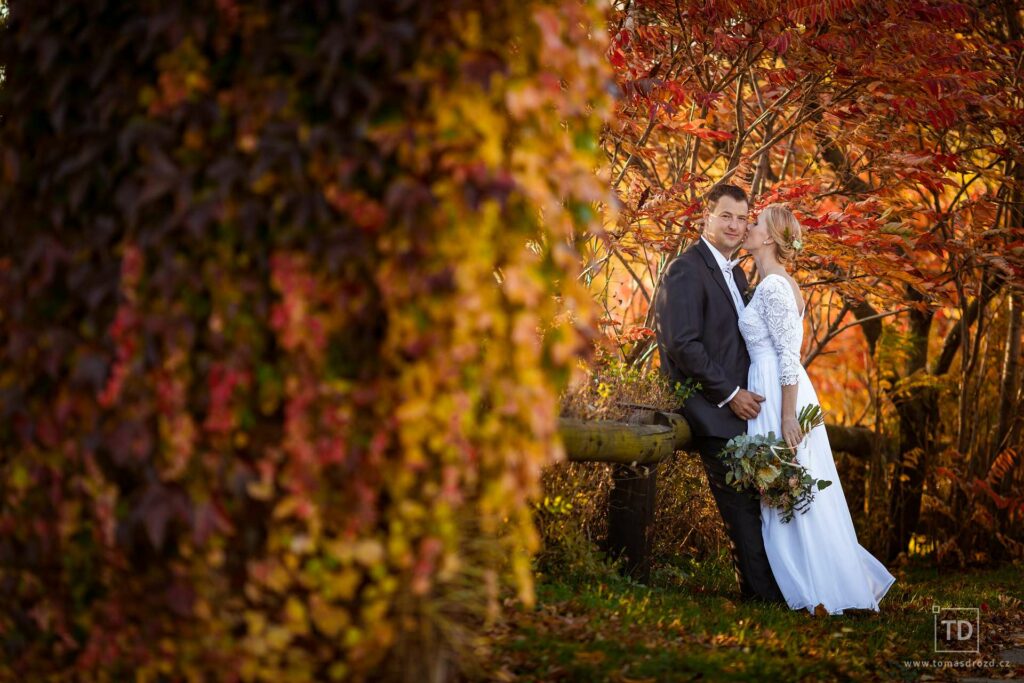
<point x="741" y="513"/>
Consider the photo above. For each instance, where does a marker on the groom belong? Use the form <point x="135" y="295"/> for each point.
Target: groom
<point x="697" y="307"/>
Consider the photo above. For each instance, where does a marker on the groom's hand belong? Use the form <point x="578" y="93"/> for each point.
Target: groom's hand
<point x="746" y="404"/>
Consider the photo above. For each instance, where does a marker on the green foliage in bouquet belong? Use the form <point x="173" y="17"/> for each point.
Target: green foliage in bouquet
<point x="761" y="464"/>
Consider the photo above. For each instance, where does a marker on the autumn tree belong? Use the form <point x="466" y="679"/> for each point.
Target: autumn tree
<point x="894" y="132"/>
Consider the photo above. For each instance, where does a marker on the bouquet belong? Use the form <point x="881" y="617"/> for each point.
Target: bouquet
<point x="762" y="465"/>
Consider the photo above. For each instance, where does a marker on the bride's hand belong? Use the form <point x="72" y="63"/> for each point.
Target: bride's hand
<point x="791" y="432"/>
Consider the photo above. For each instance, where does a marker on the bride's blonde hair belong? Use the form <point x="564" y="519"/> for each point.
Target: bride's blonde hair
<point x="784" y="229"/>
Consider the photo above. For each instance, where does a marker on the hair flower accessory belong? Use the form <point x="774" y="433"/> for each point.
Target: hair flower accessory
<point x="798" y="245"/>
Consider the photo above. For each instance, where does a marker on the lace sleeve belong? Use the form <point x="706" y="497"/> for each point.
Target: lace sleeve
<point x="779" y="312"/>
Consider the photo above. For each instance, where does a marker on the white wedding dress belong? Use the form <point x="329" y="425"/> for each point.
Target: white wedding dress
<point x="815" y="557"/>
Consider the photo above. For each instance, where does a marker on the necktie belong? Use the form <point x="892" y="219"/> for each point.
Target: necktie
<point x="731" y="283"/>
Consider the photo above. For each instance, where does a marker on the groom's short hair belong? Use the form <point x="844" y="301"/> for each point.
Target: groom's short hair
<point x="719" y="191"/>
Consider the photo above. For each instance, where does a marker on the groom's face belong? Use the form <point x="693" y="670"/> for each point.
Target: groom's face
<point x="726" y="223"/>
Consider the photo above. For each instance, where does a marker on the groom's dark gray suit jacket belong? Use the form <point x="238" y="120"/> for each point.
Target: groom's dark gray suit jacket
<point x="698" y="338"/>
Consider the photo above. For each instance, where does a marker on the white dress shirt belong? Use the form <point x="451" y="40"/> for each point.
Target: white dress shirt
<point x="730" y="283"/>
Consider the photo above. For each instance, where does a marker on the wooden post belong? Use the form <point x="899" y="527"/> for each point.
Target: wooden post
<point x="635" y="448"/>
<point x="630" y="512"/>
<point x="631" y="506"/>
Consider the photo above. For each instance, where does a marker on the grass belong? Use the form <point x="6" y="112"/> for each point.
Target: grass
<point x="689" y="624"/>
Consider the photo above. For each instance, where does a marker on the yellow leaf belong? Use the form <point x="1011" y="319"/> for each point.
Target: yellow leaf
<point x="369" y="552"/>
<point x="595" y="657"/>
<point x="328" y="619"/>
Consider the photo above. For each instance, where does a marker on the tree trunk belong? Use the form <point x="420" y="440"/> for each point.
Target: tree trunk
<point x="918" y="410"/>
<point x="1008" y="431"/>
<point x="1009" y="382"/>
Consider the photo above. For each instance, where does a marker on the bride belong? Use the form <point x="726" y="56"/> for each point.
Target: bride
<point x="815" y="557"/>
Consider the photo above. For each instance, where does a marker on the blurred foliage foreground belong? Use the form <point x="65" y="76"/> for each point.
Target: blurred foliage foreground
<point x="266" y="412"/>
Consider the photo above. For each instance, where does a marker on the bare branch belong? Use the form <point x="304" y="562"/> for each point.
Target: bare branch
<point x="640" y="143"/>
<point x="832" y="334"/>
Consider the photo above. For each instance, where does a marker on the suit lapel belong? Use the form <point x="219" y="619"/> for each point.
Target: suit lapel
<point x="741" y="283"/>
<point x="716" y="274"/>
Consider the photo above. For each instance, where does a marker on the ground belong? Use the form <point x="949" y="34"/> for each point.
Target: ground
<point x="689" y="625"/>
